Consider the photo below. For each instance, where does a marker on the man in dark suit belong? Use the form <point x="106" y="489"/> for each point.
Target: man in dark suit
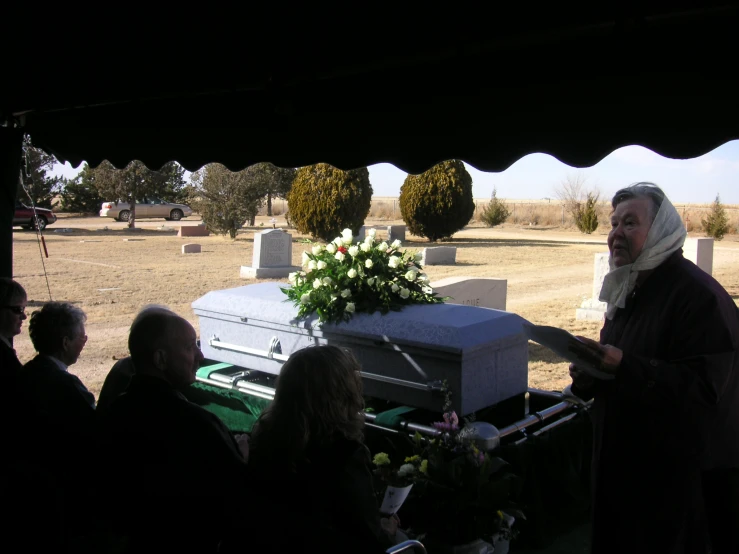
<point x="12" y="314"/>
<point x="159" y="443"/>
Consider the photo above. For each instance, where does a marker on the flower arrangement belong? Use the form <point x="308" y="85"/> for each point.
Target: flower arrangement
<point x="464" y="493"/>
<point x="340" y="279"/>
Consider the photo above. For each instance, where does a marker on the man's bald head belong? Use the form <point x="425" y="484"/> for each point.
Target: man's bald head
<point x="165" y="345"/>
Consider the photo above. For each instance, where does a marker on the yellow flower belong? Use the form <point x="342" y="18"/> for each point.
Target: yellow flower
<point x="412" y="459"/>
<point x="381" y="459"/>
<point x="424" y="467"/>
<point x="500" y="514"/>
<point x="475" y="451"/>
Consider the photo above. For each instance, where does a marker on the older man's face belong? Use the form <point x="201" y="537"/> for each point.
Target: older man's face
<point x="630" y="224"/>
<point x="183" y="355"/>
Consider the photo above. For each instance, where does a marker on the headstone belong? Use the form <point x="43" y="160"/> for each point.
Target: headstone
<point x="191" y="249"/>
<point x="272" y="257"/>
<point x="193" y="231"/>
<point x="700" y="252"/>
<point x="131" y="240"/>
<point x="363" y="232"/>
<point x="592" y="309"/>
<point x="439" y="255"/>
<point x="473" y="291"/>
<point x="396" y="232"/>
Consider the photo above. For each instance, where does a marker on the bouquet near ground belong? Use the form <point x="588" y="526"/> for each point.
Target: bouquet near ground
<point x="342" y="278"/>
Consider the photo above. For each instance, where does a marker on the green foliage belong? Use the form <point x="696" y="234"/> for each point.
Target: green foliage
<point x="79" y="195"/>
<point x="41" y="187"/>
<point x="586" y="215"/>
<point x="496" y="212"/>
<point x="225" y="199"/>
<point x="716" y="223"/>
<point x="437" y="203"/>
<point x="343" y="278"/>
<point x="324" y="200"/>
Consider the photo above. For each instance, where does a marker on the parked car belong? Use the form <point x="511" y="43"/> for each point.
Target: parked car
<point x="147" y="207"/>
<point x="24" y="217"/>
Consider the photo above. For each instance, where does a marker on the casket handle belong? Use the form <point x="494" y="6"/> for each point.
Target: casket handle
<point x="273" y="353"/>
<point x="431" y="386"/>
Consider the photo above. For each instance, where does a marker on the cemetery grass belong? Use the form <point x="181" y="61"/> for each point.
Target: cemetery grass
<point x="549" y="273"/>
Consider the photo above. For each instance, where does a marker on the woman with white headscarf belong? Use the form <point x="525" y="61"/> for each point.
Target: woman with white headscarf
<point x="666" y="448"/>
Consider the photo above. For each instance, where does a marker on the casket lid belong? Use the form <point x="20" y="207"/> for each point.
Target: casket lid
<point x="448" y="327"/>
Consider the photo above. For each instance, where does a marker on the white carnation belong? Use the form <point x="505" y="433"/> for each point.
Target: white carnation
<point x="352" y="273"/>
<point x="382" y="246"/>
<point x="395" y="288"/>
<point x="406" y="469"/>
<point x="317" y="283"/>
<point x="404" y="293"/>
<point x="396" y="243"/>
<point x="347" y="234"/>
<point x="304" y="258"/>
<point x="327" y="281"/>
<point x="292" y="277"/>
<point x="371" y="281"/>
<point x="368" y="263"/>
<point x="365" y="247"/>
<point x="411" y="275"/>
<point x="350" y="307"/>
<point x="423" y="278"/>
<point x="312" y="265"/>
<point x="417" y="257"/>
<point x="331" y="248"/>
<point x="340" y="256"/>
<point x="304" y="299"/>
<point x="353" y="250"/>
<point x="338" y="241"/>
<point x="394" y="261"/>
<point x="317" y="249"/>
<point x="346" y="293"/>
<point x="372" y="232"/>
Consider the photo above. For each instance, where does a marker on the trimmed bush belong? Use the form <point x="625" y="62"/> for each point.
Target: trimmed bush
<point x="437" y="203"/>
<point x="325" y="200"/>
<point x="716" y="223"/>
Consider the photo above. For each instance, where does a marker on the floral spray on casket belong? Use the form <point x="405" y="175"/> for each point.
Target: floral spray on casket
<point x="342" y="278"/>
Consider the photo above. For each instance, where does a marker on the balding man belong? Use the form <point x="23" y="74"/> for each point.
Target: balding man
<point x="171" y="455"/>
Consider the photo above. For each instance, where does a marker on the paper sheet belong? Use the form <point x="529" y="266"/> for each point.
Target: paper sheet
<point x="557" y="340"/>
<point x="394" y="498"/>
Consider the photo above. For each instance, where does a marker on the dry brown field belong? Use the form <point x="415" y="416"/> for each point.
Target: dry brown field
<point x="549" y="272"/>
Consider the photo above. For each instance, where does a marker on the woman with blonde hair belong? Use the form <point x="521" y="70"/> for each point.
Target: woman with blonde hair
<point x="308" y="462"/>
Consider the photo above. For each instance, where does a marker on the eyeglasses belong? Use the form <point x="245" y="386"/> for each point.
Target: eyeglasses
<point x="17" y="310"/>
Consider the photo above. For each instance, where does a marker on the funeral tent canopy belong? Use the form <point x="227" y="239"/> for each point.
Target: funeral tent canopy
<point x="356" y="89"/>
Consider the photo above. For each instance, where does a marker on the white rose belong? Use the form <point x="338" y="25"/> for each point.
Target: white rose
<point x="371" y="281"/>
<point x="305" y="298"/>
<point x="317" y="249"/>
<point x="321" y="265"/>
<point x="394" y="261"/>
<point x="327" y="281"/>
<point x="298" y="281"/>
<point x="417" y="257"/>
<point x="333" y="298"/>
<point x="317" y="283"/>
<point x="404" y="293"/>
<point x="292" y="277"/>
<point x="406" y="469"/>
<point x="423" y="278"/>
<point x="331" y="248"/>
<point x="312" y="265"/>
<point x="411" y="275"/>
<point x="352" y="273"/>
<point x="340" y="256"/>
<point x="368" y="263"/>
<point x="350" y="307"/>
<point x="347" y="234"/>
<point x="427" y="290"/>
<point x="365" y="247"/>
<point x="395" y="288"/>
<point x="396" y="243"/>
<point x="382" y="246"/>
<point x="305" y="259"/>
<point x="372" y="232"/>
<point x="338" y="241"/>
<point x="346" y="293"/>
<point x="353" y="250"/>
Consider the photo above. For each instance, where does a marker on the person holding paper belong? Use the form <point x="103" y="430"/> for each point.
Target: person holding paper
<point x="666" y="449"/>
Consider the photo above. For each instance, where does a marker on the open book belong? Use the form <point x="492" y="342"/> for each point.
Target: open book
<point x="557" y="341"/>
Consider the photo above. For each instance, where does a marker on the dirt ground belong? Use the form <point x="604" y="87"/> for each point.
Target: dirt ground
<point x="92" y="265"/>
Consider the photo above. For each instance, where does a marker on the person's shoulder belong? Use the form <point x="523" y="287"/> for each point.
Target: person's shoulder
<point x="700" y="285"/>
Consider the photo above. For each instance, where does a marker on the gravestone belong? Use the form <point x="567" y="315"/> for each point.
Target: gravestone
<point x="193" y="231"/>
<point x="473" y="291"/>
<point x="439" y="255"/>
<point x="272" y="257"/>
<point x="191" y="249"/>
<point x="396" y="232"/>
<point x="593" y="309"/>
<point x="700" y="252"/>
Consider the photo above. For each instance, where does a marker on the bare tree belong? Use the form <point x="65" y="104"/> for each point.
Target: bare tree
<point x="580" y="200"/>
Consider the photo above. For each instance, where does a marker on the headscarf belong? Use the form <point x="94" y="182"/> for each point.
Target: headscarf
<point x="666" y="236"/>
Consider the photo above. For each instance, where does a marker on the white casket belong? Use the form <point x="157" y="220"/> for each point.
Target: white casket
<point x="405" y="356"/>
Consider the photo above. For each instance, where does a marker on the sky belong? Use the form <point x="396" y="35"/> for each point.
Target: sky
<point x="535" y="177"/>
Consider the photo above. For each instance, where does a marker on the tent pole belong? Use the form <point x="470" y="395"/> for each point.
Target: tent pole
<point x="11" y="151"/>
